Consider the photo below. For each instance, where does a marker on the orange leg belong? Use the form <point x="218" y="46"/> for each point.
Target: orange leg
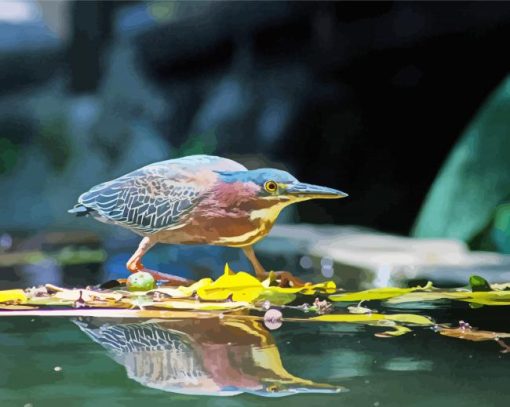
<point x="134" y="265"/>
<point x="262" y="274"/>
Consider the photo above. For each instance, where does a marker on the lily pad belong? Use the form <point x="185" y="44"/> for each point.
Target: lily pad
<point x="378" y="293"/>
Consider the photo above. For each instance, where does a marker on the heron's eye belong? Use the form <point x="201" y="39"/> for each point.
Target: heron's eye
<point x="271" y="187"/>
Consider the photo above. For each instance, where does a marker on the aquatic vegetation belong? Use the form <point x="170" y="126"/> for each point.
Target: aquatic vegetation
<point x="242" y="296"/>
<point x="378" y="293"/>
<point x="480" y="292"/>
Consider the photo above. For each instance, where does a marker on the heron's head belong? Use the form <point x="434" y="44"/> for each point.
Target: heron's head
<point x="279" y="186"/>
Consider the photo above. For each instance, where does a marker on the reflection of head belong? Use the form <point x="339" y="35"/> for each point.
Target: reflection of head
<point x="199" y="356"/>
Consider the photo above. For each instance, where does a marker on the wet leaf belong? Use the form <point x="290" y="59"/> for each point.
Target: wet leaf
<point x="111" y="313"/>
<point x="239" y="286"/>
<point x="489" y="298"/>
<point x="378" y="293"/>
<point x="368" y="318"/>
<point x="16" y="307"/>
<point x="87" y="295"/>
<point x="472" y="334"/>
<point x="397" y="331"/>
<point x="13" y="296"/>
<point x="276" y="297"/>
<point x="49" y="301"/>
<point x="171" y="292"/>
<point x="500" y="286"/>
<point x="358" y="309"/>
<point x="429" y="296"/>
<point x="327" y="287"/>
<point x="479" y="297"/>
<point x="242" y="286"/>
<point x="193" y="288"/>
<point x="199" y="306"/>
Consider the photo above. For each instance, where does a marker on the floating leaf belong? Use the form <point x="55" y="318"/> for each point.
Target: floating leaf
<point x="171" y="292"/>
<point x="199" y="306"/>
<point x="368" y="318"/>
<point x="429" y="296"/>
<point x="13" y="296"/>
<point x="358" y="309"/>
<point x="111" y="313"/>
<point x="239" y="286"/>
<point x="472" y="334"/>
<point x="276" y="297"/>
<point x="49" y="301"/>
<point x="193" y="288"/>
<point x="489" y="298"/>
<point x="378" y="293"/>
<point x="479" y="297"/>
<point x="397" y="331"/>
<point x="87" y="295"/>
<point x="500" y="286"/>
<point x="328" y="287"/>
<point x="379" y="319"/>
<point x="16" y="307"/>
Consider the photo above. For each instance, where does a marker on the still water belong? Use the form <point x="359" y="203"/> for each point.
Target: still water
<point x="219" y="362"/>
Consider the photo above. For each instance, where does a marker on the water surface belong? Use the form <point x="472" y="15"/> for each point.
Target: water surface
<point x="99" y="362"/>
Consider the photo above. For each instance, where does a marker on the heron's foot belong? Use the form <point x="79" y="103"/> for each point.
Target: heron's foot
<point x="168" y="279"/>
<point x="286" y="279"/>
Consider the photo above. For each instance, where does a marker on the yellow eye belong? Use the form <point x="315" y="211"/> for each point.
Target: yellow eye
<point x="271" y="186"/>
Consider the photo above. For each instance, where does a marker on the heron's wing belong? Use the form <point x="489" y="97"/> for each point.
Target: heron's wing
<point x="147" y="200"/>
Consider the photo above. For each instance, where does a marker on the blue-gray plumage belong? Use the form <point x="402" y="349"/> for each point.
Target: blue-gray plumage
<point x="197" y="200"/>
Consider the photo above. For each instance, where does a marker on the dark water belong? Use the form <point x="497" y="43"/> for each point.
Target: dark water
<point x="93" y="362"/>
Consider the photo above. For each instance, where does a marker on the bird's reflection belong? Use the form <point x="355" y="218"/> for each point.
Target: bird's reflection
<point x="210" y="356"/>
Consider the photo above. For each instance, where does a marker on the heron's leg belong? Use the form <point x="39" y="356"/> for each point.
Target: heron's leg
<point x="134" y="264"/>
<point x="262" y="274"/>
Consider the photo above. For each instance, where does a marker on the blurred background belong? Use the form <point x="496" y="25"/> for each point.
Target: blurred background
<point x="404" y="105"/>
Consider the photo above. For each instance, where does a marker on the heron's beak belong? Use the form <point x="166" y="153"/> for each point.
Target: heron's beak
<point x="301" y="190"/>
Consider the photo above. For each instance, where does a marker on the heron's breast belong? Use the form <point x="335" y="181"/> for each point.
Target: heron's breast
<point x="255" y="226"/>
<point x="235" y="232"/>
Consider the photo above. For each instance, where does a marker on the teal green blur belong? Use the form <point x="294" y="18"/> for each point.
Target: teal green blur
<point x="469" y="198"/>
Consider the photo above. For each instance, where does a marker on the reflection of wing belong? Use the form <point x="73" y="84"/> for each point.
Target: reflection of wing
<point x="151" y="355"/>
<point x="145" y="200"/>
<point x="206" y="356"/>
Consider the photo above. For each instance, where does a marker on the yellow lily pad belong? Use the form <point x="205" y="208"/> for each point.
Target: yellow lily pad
<point x="16" y="307"/>
<point x="204" y="282"/>
<point x="239" y="286"/>
<point x="477" y="297"/>
<point x="276" y="297"/>
<point x="378" y="293"/>
<point x="199" y="306"/>
<point x="398" y="330"/>
<point x="368" y="318"/>
<point x="87" y="295"/>
<point x="16" y="295"/>
<point x="328" y="287"/>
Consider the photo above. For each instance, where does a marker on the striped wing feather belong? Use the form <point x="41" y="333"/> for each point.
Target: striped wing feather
<point x="147" y="200"/>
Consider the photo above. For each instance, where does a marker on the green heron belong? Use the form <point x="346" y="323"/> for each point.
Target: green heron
<point x="198" y="199"/>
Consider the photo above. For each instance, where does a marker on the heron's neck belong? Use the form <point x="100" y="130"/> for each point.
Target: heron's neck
<point x="240" y="200"/>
